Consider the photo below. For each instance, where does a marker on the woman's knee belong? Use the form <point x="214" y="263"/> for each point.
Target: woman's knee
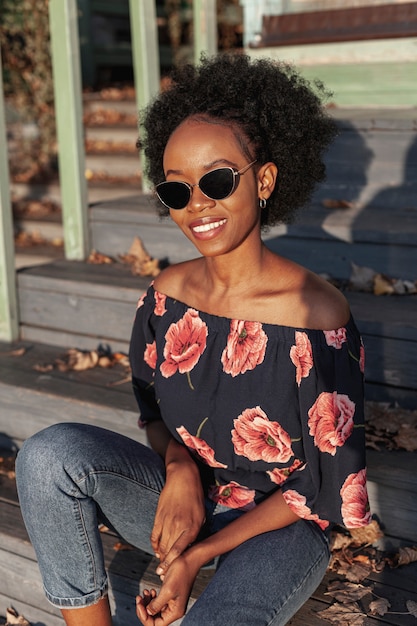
<point x="40" y="453"/>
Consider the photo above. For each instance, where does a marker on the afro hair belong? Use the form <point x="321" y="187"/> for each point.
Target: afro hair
<point x="276" y="114"/>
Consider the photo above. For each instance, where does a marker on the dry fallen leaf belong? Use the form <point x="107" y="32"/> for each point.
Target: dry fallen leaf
<point x="120" y="546"/>
<point x="362" y="278"/>
<point x="346" y="591"/>
<point x="404" y="556"/>
<point x="412" y="607"/>
<point x="97" y="258"/>
<point x="12" y="618"/>
<point x="330" y="203"/>
<point x="344" y="614"/>
<point x="383" y="285"/>
<point x="379" y="607"/>
<point x="366" y="535"/>
<point x="140" y="261"/>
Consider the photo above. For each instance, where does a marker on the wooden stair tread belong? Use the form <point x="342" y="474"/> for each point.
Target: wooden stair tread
<point x="132" y="569"/>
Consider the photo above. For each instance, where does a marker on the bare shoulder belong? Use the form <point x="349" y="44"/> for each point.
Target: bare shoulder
<point x="328" y="308"/>
<point x="173" y="280"/>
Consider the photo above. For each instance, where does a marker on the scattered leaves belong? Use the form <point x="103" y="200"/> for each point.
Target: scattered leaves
<point x="81" y="360"/>
<point x="367" y="279"/>
<point x="390" y="427"/>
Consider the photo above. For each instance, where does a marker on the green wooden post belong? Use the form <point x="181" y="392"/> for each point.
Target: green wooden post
<point x="205" y="28"/>
<point x="9" y="327"/>
<point x="68" y="106"/>
<point x="145" y="52"/>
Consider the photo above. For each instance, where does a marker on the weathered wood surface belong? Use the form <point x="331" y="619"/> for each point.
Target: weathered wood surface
<point x="131" y="570"/>
<point x="31" y="400"/>
<point x="82" y="305"/>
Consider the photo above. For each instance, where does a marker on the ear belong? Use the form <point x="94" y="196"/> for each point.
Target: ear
<point x="267" y="177"/>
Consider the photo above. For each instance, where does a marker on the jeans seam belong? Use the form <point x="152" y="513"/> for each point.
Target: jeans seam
<point x="119" y="475"/>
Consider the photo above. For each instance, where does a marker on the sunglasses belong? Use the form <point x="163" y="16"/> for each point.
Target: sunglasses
<point x="215" y="185"/>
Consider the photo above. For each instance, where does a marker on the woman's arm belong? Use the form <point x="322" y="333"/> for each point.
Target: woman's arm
<point x="179" y="575"/>
<point x="181" y="511"/>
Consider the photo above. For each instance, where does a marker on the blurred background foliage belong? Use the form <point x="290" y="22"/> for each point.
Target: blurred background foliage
<point x="28" y="86"/>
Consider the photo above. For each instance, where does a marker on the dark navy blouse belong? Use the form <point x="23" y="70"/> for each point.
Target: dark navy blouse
<point x="261" y="406"/>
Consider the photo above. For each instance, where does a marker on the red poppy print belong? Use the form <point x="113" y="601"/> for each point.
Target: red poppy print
<point x="246" y="345"/>
<point x="150" y="355"/>
<point x="331" y="421"/>
<point x="160" y="300"/>
<point x="362" y="359"/>
<point x="185" y="343"/>
<point x="258" y="439"/>
<point x="335" y="338"/>
<point x="280" y="475"/>
<point x="200" y="447"/>
<point x="233" y="495"/>
<point x="302" y="356"/>
<point x="297" y="504"/>
<point x="355" y="505"/>
<point x="141" y="301"/>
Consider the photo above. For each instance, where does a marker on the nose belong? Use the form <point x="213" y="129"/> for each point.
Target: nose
<point x="198" y="201"/>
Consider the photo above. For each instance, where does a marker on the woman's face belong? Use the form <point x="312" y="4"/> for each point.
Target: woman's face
<point x="214" y="226"/>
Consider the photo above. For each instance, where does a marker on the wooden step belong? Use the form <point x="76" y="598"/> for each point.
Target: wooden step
<point x="130" y="571"/>
<point x="31" y="400"/>
<point x="76" y="304"/>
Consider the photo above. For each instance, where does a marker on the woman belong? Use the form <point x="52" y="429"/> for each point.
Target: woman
<point x="248" y="370"/>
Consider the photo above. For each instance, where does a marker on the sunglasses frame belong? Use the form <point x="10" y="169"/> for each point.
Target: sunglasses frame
<point x="236" y="177"/>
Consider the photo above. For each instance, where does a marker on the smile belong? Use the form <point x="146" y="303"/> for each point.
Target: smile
<point x="204" y="228"/>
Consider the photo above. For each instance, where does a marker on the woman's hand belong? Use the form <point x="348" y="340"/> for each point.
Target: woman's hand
<point x="180" y="513"/>
<point x="171" y="604"/>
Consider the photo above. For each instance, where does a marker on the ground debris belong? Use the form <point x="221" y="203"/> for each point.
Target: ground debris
<point x="14" y="619"/>
<point x="390" y="427"/>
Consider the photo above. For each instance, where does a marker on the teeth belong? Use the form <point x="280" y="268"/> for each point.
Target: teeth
<point x="204" y="228"/>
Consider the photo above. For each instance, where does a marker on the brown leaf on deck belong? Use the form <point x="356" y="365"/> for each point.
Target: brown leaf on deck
<point x="7" y="464"/>
<point x="12" y="618"/>
<point x="16" y="353"/>
<point x="140" y="261"/>
<point x="366" y="535"/>
<point x="344" y="614"/>
<point x="346" y="591"/>
<point x="383" y="285"/>
<point x="380" y="606"/>
<point x="97" y="258"/>
<point x="412" y="607"/>
<point x="120" y="546"/>
<point x="404" y="556"/>
<point x="330" y="203"/>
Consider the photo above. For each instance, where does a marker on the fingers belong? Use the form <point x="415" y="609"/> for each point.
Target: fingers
<point x="182" y="543"/>
<point x="141" y="603"/>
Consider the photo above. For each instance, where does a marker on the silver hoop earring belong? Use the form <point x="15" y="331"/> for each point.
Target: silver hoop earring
<point x="262" y="203"/>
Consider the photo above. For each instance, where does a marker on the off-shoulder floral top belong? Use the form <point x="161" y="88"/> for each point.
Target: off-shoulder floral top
<point x="261" y="406"/>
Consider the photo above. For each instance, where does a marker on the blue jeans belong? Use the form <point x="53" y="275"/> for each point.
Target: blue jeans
<point x="71" y="476"/>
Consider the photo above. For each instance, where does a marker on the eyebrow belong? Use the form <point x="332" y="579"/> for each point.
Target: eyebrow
<point x="208" y="167"/>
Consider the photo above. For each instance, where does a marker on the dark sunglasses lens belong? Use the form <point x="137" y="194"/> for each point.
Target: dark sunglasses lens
<point x="217" y="184"/>
<point x="173" y="194"/>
